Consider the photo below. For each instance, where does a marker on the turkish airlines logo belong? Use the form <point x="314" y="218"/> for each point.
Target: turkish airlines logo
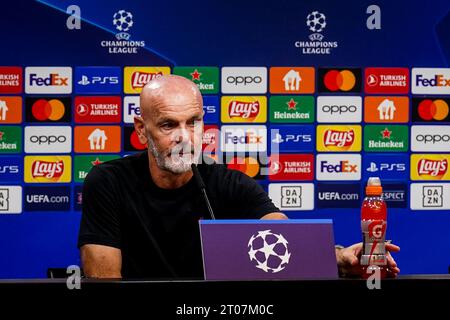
<point x="97" y="109"/>
<point x="387" y="80"/>
<point x="434" y="168"/>
<point x="11" y="80"/>
<point x="291" y="167"/>
<point x="342" y="139"/>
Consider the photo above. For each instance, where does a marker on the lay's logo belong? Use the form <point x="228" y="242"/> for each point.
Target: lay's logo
<point x="139" y="79"/>
<point x="338" y="138"/>
<point x="48" y="169"/>
<point x="135" y="78"/>
<point x="434" y="168"/>
<point x="244" y="109"/>
<point x="430" y="167"/>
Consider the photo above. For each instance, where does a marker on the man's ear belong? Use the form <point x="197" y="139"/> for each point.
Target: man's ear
<point x="139" y="126"/>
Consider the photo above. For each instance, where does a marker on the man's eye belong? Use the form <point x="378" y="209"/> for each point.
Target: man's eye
<point x="167" y="125"/>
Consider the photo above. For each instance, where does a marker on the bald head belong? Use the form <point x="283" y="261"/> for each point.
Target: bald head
<point x="169" y="90"/>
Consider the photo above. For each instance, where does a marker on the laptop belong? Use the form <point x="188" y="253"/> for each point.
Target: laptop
<point x="268" y="249"/>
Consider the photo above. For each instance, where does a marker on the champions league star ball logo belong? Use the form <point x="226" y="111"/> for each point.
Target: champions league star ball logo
<point x="269" y="251"/>
<point x="316" y="22"/>
<point x="123" y="21"/>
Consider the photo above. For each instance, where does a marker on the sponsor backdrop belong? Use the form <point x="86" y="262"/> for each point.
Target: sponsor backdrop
<point x="318" y="95"/>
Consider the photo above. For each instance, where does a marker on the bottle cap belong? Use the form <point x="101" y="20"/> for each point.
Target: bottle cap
<point x="373" y="187"/>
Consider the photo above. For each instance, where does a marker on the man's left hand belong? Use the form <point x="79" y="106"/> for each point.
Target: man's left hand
<point x="348" y="261"/>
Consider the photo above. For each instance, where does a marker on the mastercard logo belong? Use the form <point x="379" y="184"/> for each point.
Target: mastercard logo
<point x="247" y="165"/>
<point x="43" y="110"/>
<point x="343" y="80"/>
<point x="134" y="140"/>
<point x="433" y="109"/>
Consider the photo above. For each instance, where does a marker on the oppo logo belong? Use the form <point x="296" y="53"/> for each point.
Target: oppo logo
<point x="432" y="138"/>
<point x="243" y="80"/>
<point x="48" y="139"/>
<point x="332" y="109"/>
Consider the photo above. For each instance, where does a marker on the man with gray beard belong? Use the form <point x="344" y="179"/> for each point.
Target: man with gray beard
<point x="140" y="213"/>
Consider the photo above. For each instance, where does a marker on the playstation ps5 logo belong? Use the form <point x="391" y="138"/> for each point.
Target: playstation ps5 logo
<point x="386" y="167"/>
<point x="98" y="80"/>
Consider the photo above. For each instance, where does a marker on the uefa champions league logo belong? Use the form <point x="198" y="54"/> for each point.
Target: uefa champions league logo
<point x="123" y="21"/>
<point x="316" y="22"/>
<point x="269" y="251"/>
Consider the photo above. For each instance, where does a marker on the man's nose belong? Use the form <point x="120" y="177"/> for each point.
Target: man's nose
<point x="181" y="135"/>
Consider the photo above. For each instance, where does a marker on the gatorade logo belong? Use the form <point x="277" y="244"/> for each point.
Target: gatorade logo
<point x="377" y="229"/>
<point x="340" y="80"/>
<point x="429" y="110"/>
<point x="44" y="110"/>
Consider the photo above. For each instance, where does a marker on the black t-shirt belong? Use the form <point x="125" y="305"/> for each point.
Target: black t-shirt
<point x="157" y="229"/>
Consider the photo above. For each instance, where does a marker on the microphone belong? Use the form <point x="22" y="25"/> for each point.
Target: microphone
<point x="202" y="187"/>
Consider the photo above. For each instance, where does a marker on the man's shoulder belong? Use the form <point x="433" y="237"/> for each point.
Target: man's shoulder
<point x="119" y="168"/>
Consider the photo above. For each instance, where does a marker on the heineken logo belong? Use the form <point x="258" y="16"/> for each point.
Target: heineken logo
<point x="385" y="138"/>
<point x="292" y="109"/>
<point x="206" y="78"/>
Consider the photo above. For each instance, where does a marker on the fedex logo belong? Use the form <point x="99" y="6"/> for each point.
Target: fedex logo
<point x="438" y="81"/>
<point x="247" y="138"/>
<point x="54" y="79"/>
<point x="431" y="80"/>
<point x="131" y="108"/>
<point x="338" y="167"/>
<point x="244" y="138"/>
<point x="48" y="80"/>
<point x="342" y="166"/>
